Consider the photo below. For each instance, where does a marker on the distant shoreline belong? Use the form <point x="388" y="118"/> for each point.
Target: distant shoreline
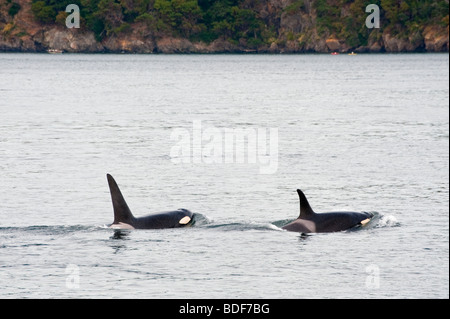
<point x="219" y="53"/>
<point x="268" y="27"/>
<point x="72" y="41"/>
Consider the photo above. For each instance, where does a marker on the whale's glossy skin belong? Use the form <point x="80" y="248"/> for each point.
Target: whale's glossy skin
<point x="124" y="219"/>
<point x="311" y="222"/>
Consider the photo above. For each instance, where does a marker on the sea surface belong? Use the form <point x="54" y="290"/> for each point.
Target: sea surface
<point x="362" y="133"/>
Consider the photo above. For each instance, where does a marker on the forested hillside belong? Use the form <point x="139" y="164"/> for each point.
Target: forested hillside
<point x="226" y="25"/>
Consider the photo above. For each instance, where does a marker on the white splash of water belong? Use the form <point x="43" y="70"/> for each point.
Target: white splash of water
<point x="388" y="221"/>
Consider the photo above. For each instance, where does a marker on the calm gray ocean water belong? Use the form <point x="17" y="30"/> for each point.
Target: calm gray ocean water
<point x="364" y="133"/>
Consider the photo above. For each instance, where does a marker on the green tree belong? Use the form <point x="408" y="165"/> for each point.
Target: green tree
<point x="43" y="12"/>
<point x="14" y="9"/>
<point x="134" y="8"/>
<point x="182" y="16"/>
<point x="110" y="13"/>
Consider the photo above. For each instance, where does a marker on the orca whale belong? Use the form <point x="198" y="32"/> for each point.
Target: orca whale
<point x="124" y="219"/>
<point x="311" y="222"/>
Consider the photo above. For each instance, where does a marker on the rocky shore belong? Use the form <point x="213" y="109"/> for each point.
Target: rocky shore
<point x="296" y="34"/>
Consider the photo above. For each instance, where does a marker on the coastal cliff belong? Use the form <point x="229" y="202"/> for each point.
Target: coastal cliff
<point x="224" y="26"/>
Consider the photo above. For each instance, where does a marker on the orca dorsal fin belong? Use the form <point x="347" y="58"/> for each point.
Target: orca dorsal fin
<point x="305" y="210"/>
<point x="122" y="213"/>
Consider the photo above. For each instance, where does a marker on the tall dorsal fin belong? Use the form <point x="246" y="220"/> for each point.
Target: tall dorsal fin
<point x="305" y="210"/>
<point x="122" y="213"/>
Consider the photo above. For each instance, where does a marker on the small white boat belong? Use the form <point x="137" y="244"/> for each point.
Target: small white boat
<point x="54" y="51"/>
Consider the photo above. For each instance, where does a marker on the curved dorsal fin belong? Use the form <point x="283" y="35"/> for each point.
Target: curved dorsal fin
<point x="122" y="213"/>
<point x="305" y="210"/>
